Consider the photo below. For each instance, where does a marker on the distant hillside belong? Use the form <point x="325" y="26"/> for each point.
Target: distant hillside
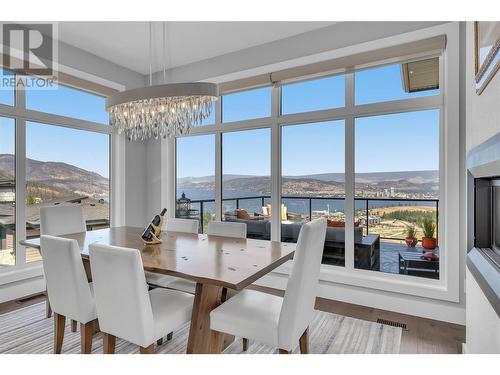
<point x="327" y="184"/>
<point x="56" y="179"/>
<point x="374" y="177"/>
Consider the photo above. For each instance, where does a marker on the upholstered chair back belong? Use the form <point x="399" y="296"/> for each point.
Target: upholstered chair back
<point x="67" y="286"/>
<point x="60" y="220"/>
<point x="300" y="294"/>
<point x="181" y="225"/>
<point x="227" y="229"/>
<point x="121" y="293"/>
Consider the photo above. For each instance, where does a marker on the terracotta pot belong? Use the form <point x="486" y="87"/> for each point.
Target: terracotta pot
<point x="429" y="243"/>
<point x="411" y="242"/>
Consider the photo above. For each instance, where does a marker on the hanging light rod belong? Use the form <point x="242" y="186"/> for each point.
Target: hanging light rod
<point x="164" y="110"/>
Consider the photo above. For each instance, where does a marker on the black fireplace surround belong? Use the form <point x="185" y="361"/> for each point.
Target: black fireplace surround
<point x="483" y="260"/>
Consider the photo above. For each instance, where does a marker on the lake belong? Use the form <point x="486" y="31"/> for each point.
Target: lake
<point x="294" y="205"/>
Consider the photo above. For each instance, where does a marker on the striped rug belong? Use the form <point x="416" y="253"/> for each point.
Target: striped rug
<point x="26" y="330"/>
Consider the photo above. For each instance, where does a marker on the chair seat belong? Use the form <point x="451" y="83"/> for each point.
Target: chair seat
<point x="249" y="314"/>
<point x="171" y="309"/>
<point x="158" y="279"/>
<point x="184" y="285"/>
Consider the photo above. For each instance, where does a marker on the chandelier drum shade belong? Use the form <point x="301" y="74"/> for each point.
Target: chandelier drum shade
<point x="160" y="111"/>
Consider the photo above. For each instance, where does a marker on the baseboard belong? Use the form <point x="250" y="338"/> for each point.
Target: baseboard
<point x="22" y="288"/>
<point x="400" y="303"/>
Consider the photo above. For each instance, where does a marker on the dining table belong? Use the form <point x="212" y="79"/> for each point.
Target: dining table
<point x="220" y="267"/>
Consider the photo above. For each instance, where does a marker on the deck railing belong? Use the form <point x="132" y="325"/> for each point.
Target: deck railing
<point x="366" y="206"/>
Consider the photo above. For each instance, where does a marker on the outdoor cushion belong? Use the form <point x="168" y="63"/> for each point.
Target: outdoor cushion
<point x="242" y="214"/>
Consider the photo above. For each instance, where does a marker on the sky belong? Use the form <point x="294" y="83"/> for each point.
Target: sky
<point x="398" y="142"/>
<point x="87" y="150"/>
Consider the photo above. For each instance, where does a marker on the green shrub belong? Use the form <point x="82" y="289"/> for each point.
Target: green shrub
<point x="415" y="217"/>
<point x="411" y="231"/>
<point x="428" y="227"/>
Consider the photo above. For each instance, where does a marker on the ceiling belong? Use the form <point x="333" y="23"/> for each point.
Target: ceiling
<point x="127" y="43"/>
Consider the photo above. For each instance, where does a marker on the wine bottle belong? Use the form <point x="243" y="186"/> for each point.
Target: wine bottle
<point x="153" y="231"/>
<point x="156" y="220"/>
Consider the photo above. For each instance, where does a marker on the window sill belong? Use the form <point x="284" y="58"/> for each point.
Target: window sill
<point x="386" y="282"/>
<point x="21" y="273"/>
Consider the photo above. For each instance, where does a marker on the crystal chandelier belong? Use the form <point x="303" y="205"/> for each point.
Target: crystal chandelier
<point x="159" y="111"/>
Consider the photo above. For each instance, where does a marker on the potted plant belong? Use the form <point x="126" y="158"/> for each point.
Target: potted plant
<point x="411" y="236"/>
<point x="429" y="227"/>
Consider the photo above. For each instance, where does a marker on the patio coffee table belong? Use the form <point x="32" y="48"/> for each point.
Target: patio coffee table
<point x="412" y="261"/>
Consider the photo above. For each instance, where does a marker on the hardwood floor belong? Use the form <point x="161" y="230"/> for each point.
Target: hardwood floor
<point x="17" y="304"/>
<point x="422" y="336"/>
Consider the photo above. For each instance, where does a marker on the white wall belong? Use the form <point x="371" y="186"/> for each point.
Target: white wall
<point x="483" y="324"/>
<point x="153" y="177"/>
<point x="483" y="122"/>
<point x="483" y="111"/>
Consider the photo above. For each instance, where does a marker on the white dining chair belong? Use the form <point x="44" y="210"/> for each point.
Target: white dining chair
<point x="70" y="294"/>
<point x="227" y="229"/>
<point x="282" y="322"/>
<point x="181" y="225"/>
<point x="125" y="307"/>
<point x="59" y="220"/>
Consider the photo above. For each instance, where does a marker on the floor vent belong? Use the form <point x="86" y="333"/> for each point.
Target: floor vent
<point x="30" y="298"/>
<point x="393" y="324"/>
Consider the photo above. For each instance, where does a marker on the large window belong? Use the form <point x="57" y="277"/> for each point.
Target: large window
<point x="246" y="180"/>
<point x="69" y="102"/>
<point x="7" y="96"/>
<point x="59" y="171"/>
<point x="313" y="95"/>
<point x="195" y="197"/>
<point x="246" y="105"/>
<point x="7" y="192"/>
<point x="398" y="81"/>
<point x="361" y="149"/>
<point x="397" y="187"/>
<point x="313" y="183"/>
<point x="63" y="164"/>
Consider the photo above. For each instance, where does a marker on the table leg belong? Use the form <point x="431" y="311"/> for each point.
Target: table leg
<point x="207" y="297"/>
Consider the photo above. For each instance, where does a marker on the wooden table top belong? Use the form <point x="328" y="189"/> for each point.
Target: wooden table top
<point x="230" y="262"/>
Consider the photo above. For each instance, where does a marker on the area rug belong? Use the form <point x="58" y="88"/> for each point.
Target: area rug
<point x="27" y="331"/>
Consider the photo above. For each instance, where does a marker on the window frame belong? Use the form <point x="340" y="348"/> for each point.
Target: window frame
<point x="446" y="101"/>
<point x="22" y="115"/>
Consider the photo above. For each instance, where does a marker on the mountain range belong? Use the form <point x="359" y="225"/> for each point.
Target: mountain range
<point x="418" y="177"/>
<point x="56" y="179"/>
<point x="411" y="182"/>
